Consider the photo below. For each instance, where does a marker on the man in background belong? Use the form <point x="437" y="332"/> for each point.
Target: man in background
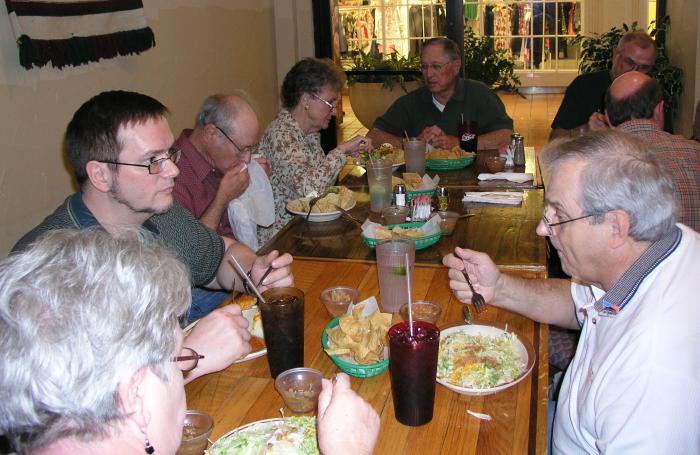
<point x="583" y="102"/>
<point x="634" y="104"/>
<point x="435" y="111"/>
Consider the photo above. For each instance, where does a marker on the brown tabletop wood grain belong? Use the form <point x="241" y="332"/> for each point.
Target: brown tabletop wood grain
<point x="245" y="393"/>
<point x="506" y="233"/>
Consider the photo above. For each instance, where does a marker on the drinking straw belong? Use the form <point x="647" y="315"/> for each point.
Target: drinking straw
<point x="408" y="286"/>
<point x="405" y="133"/>
<point x="462" y="114"/>
<point x="245" y="276"/>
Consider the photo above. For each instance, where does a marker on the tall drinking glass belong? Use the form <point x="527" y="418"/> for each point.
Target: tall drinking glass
<point x="379" y="179"/>
<point x="414" y="152"/>
<point x="283" y="326"/>
<point x="469" y="135"/>
<point x="391" y="268"/>
<point x="413" y="368"/>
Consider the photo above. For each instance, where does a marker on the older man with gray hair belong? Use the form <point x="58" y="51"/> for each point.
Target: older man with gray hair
<point x="634" y="104"/>
<point x="633" y="384"/>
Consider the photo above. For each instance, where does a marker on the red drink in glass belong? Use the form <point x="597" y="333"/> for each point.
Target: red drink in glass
<point x="413" y="368"/>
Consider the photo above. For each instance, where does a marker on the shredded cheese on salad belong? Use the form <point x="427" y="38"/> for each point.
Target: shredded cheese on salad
<point x="479" y="361"/>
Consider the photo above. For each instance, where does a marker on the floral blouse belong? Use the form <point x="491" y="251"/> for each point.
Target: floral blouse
<point x="299" y="166"/>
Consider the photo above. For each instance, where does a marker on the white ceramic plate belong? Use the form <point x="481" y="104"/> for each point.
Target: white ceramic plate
<point x="319" y="217"/>
<point x="253" y="426"/>
<point x="524" y="349"/>
<point x="248" y="314"/>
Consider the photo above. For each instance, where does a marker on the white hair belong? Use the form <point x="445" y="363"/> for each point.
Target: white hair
<point x="81" y="311"/>
<point x="621" y="173"/>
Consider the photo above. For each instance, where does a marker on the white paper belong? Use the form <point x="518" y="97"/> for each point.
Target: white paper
<point x="517" y="177"/>
<point x="494" y="197"/>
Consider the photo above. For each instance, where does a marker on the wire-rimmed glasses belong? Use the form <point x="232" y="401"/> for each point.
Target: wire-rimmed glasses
<point x="187" y="362"/>
<point x="247" y="149"/>
<point x="330" y="105"/>
<point x="155" y="166"/>
<point x="551" y="225"/>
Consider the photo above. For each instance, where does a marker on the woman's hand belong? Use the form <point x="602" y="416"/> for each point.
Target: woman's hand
<point x="356" y="145"/>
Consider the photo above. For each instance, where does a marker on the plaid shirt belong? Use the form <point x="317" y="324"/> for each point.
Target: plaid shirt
<point x="681" y="157"/>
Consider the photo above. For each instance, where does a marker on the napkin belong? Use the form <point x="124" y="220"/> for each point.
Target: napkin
<point x="256" y="206"/>
<point x="430" y="183"/>
<point x="494" y="197"/>
<point x="518" y="177"/>
<point x="432" y="226"/>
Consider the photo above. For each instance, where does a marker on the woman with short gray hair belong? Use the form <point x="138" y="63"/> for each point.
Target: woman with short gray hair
<point x="88" y="337"/>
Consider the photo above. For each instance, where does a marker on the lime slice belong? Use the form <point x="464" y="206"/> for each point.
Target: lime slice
<point x="399" y="270"/>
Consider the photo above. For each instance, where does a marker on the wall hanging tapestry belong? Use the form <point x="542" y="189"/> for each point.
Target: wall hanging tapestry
<point x="76" y="32"/>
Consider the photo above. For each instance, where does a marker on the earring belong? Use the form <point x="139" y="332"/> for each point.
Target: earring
<point x="147" y="447"/>
<point x="306" y="107"/>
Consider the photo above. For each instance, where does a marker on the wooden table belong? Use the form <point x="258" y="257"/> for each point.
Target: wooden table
<point x="245" y="392"/>
<point x="506" y="233"/>
<point x="465" y="178"/>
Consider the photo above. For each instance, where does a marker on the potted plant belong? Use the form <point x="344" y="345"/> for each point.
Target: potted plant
<point x="375" y="82"/>
<point x="483" y="62"/>
<point x="597" y="51"/>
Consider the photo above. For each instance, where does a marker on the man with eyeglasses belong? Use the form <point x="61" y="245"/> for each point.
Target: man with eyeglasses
<point x="120" y="147"/>
<point x="635" y="104"/>
<point x="435" y="111"/>
<point x="215" y="155"/>
<point x="633" y="385"/>
<point x="583" y="103"/>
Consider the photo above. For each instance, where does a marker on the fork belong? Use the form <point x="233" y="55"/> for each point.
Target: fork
<point x="314" y="200"/>
<point x="477" y="299"/>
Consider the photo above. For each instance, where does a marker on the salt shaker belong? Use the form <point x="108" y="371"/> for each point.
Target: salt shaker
<point x="518" y="145"/>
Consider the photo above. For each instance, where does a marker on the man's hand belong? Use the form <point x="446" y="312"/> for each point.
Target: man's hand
<point x="347" y="424"/>
<point x="234" y="183"/>
<point x="597" y="122"/>
<point x="281" y="275"/>
<point x="434" y="136"/>
<point x="482" y="271"/>
<point x="222" y="337"/>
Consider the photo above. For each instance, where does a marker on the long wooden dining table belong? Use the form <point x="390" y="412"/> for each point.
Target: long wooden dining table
<point x="332" y="253"/>
<point x="245" y="392"/>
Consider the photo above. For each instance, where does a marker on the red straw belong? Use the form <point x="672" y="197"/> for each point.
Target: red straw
<point x="408" y="285"/>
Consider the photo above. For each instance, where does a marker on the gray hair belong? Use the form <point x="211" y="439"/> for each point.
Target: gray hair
<point x="81" y="311"/>
<point x="449" y="47"/>
<point x="621" y="173"/>
<point x="223" y="110"/>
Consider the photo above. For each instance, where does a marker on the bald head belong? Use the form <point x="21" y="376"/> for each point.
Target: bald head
<point x="633" y="95"/>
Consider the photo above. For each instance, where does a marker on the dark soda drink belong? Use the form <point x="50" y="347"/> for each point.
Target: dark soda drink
<point x="468" y="135"/>
<point x="413" y="368"/>
<point x="283" y="326"/>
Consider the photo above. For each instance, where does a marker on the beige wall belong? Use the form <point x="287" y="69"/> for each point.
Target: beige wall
<point x="202" y="47"/>
<point x="684" y="52"/>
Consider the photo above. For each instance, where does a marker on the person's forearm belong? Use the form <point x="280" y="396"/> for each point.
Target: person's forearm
<point x="494" y="139"/>
<point x="379" y="137"/>
<point x="212" y="215"/>
<point x="226" y="276"/>
<point x="548" y="301"/>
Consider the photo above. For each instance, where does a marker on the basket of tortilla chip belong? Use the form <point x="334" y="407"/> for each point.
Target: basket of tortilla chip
<point x="356" y="341"/>
<point x="447" y="160"/>
<point x="423" y="234"/>
<point x="417" y="185"/>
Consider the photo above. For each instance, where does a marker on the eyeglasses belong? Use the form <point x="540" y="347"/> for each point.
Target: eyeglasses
<point x="187" y="362"/>
<point x="552" y="225"/>
<point x="330" y="105"/>
<point x="424" y="67"/>
<point x="156" y="165"/>
<point x="643" y="68"/>
<point x="248" y="149"/>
